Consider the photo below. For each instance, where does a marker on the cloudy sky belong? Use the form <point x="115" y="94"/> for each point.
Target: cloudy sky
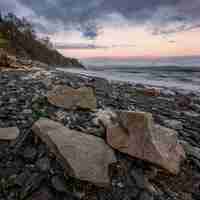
<point x="115" y="28"/>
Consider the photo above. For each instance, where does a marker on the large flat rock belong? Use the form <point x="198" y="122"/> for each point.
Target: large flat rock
<point x="83" y="156"/>
<point x="9" y="134"/>
<point x="137" y="135"/>
<point x="70" y="98"/>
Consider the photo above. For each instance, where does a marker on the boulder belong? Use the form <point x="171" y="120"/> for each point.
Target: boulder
<point x="70" y="98"/>
<point x="151" y="92"/>
<point x="174" y="124"/>
<point x="191" y="150"/>
<point x="83" y="156"/>
<point x="137" y="135"/>
<point x="9" y="134"/>
<point x="4" y="59"/>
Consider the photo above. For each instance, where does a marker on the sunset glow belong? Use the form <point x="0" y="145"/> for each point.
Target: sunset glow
<point x="116" y="29"/>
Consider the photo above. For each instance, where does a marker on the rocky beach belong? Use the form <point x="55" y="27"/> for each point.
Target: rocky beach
<point x="67" y="136"/>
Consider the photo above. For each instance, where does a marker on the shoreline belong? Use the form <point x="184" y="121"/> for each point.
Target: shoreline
<point x="175" y="89"/>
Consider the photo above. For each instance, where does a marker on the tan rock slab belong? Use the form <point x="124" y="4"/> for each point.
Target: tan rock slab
<point x="70" y="98"/>
<point x="137" y="135"/>
<point x="8" y="134"/>
<point x="83" y="156"/>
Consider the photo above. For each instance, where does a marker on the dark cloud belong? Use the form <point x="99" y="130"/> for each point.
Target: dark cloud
<point x="87" y="15"/>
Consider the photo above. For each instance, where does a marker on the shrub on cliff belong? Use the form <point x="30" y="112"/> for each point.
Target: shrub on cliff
<point x="19" y="38"/>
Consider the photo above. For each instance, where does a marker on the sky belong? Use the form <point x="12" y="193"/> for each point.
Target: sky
<point x="117" y="29"/>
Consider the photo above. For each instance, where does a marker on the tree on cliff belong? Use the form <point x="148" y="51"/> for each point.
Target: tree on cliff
<point x="23" y="42"/>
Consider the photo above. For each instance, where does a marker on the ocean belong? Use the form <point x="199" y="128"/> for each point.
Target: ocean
<point x="174" y="77"/>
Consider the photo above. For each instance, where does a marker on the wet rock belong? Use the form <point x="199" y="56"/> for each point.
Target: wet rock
<point x="196" y="107"/>
<point x="168" y="93"/>
<point x="43" y="164"/>
<point x="174" y="124"/>
<point x="151" y="92"/>
<point x="22" y="178"/>
<point x="191" y="150"/>
<point x="29" y="153"/>
<point x="137" y="135"/>
<point x="104" y="117"/>
<point x="9" y="134"/>
<point x="42" y="194"/>
<point x="70" y="98"/>
<point x="58" y="184"/>
<point x="191" y="114"/>
<point x="4" y="59"/>
<point x="31" y="185"/>
<point x="83" y="156"/>
<point x="141" y="181"/>
<point x="145" y="196"/>
<point x="183" y="102"/>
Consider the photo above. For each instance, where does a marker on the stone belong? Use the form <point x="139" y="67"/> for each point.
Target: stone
<point x="83" y="156"/>
<point x="168" y="93"/>
<point x="191" y="150"/>
<point x="70" y="98"/>
<point x="9" y="134"/>
<point x="42" y="194"/>
<point x="190" y="114"/>
<point x="29" y="153"/>
<point x="141" y="180"/>
<point x="4" y="59"/>
<point x="137" y="135"/>
<point x="151" y="92"/>
<point x="145" y="196"/>
<point x="183" y="102"/>
<point x="104" y="117"/>
<point x="58" y="184"/>
<point x="174" y="124"/>
<point x="44" y="164"/>
<point x="196" y="107"/>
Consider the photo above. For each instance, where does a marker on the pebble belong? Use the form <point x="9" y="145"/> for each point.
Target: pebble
<point x="29" y="153"/>
<point x="43" y="164"/>
<point x="58" y="184"/>
<point x="174" y="124"/>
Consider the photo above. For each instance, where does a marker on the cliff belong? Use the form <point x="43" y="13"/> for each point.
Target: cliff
<point x="18" y="38"/>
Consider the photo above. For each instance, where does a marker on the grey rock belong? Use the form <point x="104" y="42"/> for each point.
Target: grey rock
<point x="168" y="93"/>
<point x="196" y="107"/>
<point x="191" y="150"/>
<point x="191" y="114"/>
<point x="145" y="196"/>
<point x="141" y="181"/>
<point x="174" y="124"/>
<point x="22" y="178"/>
<point x="44" y="164"/>
<point x="58" y="184"/>
<point x="30" y="153"/>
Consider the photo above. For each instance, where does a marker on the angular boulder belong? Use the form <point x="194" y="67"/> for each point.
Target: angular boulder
<point x="137" y="135"/>
<point x="83" y="156"/>
<point x="70" y="98"/>
<point x="4" y="59"/>
<point x="151" y="92"/>
<point x="9" y="134"/>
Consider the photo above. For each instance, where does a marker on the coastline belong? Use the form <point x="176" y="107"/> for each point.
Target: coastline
<point x="23" y="101"/>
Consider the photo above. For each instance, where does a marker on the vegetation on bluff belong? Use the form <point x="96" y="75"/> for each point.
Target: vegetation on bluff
<point x="18" y="37"/>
